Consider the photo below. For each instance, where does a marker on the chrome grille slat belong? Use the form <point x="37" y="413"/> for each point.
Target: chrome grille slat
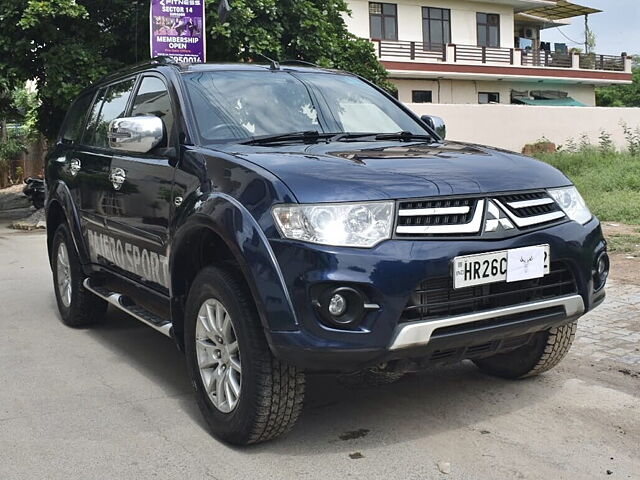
<point x="434" y="211"/>
<point x="530" y="203"/>
<point x="522" y="222"/>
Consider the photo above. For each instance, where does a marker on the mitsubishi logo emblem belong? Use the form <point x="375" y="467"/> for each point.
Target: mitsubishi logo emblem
<point x="496" y="218"/>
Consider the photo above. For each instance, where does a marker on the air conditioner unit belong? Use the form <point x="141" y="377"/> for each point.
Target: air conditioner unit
<point x="528" y="33"/>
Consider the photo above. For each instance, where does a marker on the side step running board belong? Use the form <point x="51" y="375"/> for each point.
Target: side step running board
<point x="123" y="303"/>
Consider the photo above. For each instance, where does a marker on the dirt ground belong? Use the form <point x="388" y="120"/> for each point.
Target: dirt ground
<point x="624" y="244"/>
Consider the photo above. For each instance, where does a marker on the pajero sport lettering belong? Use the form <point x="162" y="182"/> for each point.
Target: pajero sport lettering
<point x="281" y="220"/>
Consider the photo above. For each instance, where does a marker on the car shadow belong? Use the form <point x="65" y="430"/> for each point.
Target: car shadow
<point x="152" y="354"/>
<point x="337" y="418"/>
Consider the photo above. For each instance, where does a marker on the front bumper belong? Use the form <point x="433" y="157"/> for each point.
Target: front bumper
<point x="389" y="273"/>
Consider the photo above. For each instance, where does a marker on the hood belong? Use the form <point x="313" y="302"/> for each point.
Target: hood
<point x="356" y="171"/>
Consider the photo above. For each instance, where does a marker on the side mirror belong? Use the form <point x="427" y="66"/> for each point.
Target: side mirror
<point x="135" y="134"/>
<point x="437" y="124"/>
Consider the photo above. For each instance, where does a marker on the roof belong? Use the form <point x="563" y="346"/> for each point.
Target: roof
<point x="204" y="67"/>
<point x="562" y="9"/>
<point x="292" y="65"/>
<point x="543" y="23"/>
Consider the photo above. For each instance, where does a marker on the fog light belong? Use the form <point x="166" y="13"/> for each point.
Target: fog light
<point x="341" y="307"/>
<point x="602" y="266"/>
<point x="601" y="271"/>
<point x="337" y="305"/>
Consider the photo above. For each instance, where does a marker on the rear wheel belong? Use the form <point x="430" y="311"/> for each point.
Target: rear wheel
<point x="78" y="307"/>
<point x="245" y="394"/>
<point x="543" y="353"/>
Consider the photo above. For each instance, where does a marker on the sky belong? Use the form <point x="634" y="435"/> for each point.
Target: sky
<point x="617" y="28"/>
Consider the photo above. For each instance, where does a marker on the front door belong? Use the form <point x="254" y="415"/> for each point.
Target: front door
<point x="141" y="187"/>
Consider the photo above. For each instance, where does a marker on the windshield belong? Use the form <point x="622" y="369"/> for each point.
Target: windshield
<point x="233" y="106"/>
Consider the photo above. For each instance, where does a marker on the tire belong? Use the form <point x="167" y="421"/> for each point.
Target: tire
<point x="78" y="307"/>
<point x="371" y="377"/>
<point x="260" y="398"/>
<point x="543" y="353"/>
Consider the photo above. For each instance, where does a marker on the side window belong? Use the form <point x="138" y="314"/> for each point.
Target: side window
<point x="110" y="104"/>
<point x="153" y="99"/>
<point x="488" y="97"/>
<point x="422" y="96"/>
<point x="72" y="129"/>
<point x="383" y="21"/>
<point x="93" y="116"/>
<point x="488" y="25"/>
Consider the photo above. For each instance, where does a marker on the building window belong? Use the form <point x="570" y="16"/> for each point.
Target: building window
<point x="488" y="97"/>
<point x="383" y="21"/>
<point x="421" y="96"/>
<point x="488" y="25"/>
<point x="436" y="28"/>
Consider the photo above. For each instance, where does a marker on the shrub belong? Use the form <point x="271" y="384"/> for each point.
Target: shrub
<point x="632" y="136"/>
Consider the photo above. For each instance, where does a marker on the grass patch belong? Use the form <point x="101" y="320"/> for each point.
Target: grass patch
<point x="624" y="243"/>
<point x="609" y="182"/>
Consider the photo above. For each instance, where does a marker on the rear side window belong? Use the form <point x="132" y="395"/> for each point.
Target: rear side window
<point x="74" y="123"/>
<point x="111" y="103"/>
<point x="153" y="99"/>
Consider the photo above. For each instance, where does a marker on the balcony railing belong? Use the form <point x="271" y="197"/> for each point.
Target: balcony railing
<point x="544" y="58"/>
<point x="455" y="53"/>
<point x="472" y="53"/>
<point x="411" y="50"/>
<point x="594" y="61"/>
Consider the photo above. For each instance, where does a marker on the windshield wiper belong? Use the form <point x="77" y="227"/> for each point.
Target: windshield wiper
<point x="404" y="136"/>
<point x="311" y="136"/>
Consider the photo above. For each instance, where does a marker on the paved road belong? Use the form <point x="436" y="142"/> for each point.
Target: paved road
<point x="113" y="402"/>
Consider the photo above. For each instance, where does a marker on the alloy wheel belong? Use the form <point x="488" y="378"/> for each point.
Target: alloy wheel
<point x="63" y="271"/>
<point x="218" y="355"/>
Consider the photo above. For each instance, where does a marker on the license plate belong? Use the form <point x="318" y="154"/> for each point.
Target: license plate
<point x="503" y="266"/>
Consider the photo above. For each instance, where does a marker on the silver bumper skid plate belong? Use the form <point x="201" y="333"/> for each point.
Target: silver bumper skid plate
<point x="419" y="333"/>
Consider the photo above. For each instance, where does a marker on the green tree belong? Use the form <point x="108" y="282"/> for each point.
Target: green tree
<point x="621" y="95"/>
<point x="308" y="30"/>
<point x="64" y="45"/>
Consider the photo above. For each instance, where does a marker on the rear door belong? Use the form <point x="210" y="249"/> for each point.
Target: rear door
<point x="145" y="199"/>
<point x="64" y="166"/>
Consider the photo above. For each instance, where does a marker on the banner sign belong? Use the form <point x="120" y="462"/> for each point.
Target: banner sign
<point x="177" y="30"/>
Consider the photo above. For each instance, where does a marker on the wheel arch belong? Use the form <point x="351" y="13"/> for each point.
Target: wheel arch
<point x="61" y="209"/>
<point x="224" y="233"/>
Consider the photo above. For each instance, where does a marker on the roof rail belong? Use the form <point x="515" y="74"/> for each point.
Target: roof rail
<point x="164" y="60"/>
<point x="301" y="62"/>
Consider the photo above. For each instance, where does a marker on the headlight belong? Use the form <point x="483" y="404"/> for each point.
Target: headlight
<point x="570" y="200"/>
<point x="340" y="225"/>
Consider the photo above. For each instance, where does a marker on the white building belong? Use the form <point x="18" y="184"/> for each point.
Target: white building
<point x="483" y="51"/>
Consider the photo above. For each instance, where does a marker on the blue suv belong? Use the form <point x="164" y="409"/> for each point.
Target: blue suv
<point x="280" y="220"/>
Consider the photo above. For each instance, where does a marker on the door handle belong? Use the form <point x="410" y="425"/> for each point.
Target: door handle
<point x="74" y="167"/>
<point x="117" y="177"/>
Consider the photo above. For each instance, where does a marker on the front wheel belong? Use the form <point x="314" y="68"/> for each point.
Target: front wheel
<point x="543" y="353"/>
<point x="245" y="394"/>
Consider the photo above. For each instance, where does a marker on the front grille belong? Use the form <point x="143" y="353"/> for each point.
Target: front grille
<point x="436" y="297"/>
<point x="464" y="216"/>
